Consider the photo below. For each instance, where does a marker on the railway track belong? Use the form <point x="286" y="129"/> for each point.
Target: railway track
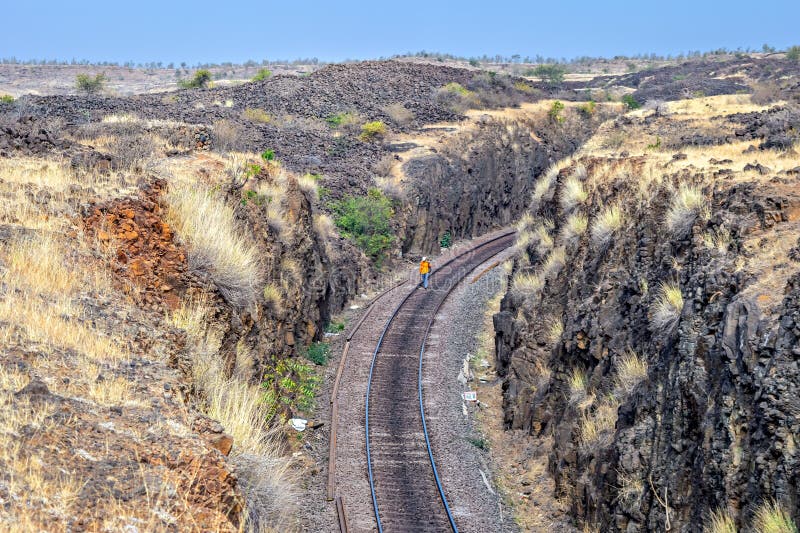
<point x="407" y="494"/>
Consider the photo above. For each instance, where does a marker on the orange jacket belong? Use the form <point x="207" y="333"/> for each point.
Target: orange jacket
<point x="424" y="267"/>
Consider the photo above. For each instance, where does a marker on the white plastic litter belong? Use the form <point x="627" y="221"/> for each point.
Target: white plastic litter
<point x="470" y="396"/>
<point x="298" y="424"/>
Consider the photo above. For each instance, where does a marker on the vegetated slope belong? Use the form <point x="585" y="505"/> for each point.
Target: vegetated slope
<point x="651" y="323"/>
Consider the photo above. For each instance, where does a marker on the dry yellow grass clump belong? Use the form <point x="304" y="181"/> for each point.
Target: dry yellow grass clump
<point x="772" y="518"/>
<point x="597" y="425"/>
<point x="216" y="245"/>
<point x="687" y="203"/>
<point x="668" y="306"/>
<point x="608" y="221"/>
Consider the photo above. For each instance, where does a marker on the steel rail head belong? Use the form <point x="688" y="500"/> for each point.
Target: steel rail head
<point x="371" y="372"/>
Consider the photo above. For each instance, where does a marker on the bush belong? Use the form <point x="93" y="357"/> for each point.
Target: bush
<point x="7" y="99"/>
<point x="291" y="386"/>
<point x="89" y="84"/>
<point x="555" y="112"/>
<point x="588" y="109"/>
<point x="365" y="221"/>
<point x="372" y="130"/>
<point x="552" y="74"/>
<point x="262" y="74"/>
<point x="573" y="193"/>
<point x="793" y="53"/>
<point x="399" y="113"/>
<point x="630" y="102"/>
<point x="200" y="80"/>
<point x="268" y="154"/>
<point x="446" y="241"/>
<point x="318" y="352"/>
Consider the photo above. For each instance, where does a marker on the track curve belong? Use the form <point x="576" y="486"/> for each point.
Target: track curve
<point x="406" y="492"/>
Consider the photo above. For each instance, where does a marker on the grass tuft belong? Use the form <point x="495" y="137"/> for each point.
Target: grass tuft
<point x="527" y="284"/>
<point x="609" y="221"/>
<point x="686" y="205"/>
<point x="631" y="370"/>
<point x="720" y="522"/>
<point x="216" y="246"/>
<point x="668" y="306"/>
<point x="573" y="194"/>
<point x="597" y="425"/>
<point x="772" y="518"/>
<point x="575" y="226"/>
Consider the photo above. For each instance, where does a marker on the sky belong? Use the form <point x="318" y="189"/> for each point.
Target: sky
<point x="213" y="32"/>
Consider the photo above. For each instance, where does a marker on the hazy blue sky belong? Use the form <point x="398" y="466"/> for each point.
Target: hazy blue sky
<point x="200" y="31"/>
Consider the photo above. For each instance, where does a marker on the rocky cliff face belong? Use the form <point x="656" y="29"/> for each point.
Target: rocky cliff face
<point x="655" y="335"/>
<point x="482" y="177"/>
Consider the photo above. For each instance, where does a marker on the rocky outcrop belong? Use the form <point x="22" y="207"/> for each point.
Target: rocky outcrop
<point x="482" y="180"/>
<point x="712" y="423"/>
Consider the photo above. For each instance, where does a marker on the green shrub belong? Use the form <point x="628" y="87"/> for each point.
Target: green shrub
<point x="481" y="444"/>
<point x="372" y="130"/>
<point x="89" y="84"/>
<point x="555" y="112"/>
<point x="446" y="241"/>
<point x="474" y="63"/>
<point x="200" y="79"/>
<point x="630" y="102"/>
<point x="318" y="352"/>
<point x="365" y="221"/>
<point x="552" y="74"/>
<point x="262" y="74"/>
<point x="588" y="109"/>
<point x="7" y="99"/>
<point x="268" y="155"/>
<point x="340" y="119"/>
<point x="793" y="53"/>
<point x="292" y="385"/>
<point x="335" y="326"/>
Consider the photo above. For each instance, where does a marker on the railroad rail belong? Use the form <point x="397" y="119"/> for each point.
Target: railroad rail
<point x="407" y="494"/>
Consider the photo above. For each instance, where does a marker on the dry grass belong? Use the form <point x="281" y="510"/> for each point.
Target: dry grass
<point x="273" y="296"/>
<point x="687" y="203"/>
<point x="555" y="329"/>
<point x="575" y="226"/>
<point x="399" y="113"/>
<point x="215" y="245"/>
<point x="527" y="284"/>
<point x="631" y="370"/>
<point x="597" y="426"/>
<point x="238" y="406"/>
<point x="555" y="262"/>
<point x="727" y="104"/>
<point x="543" y="238"/>
<point x="607" y="222"/>
<point x="667" y="307"/>
<point x="573" y="193"/>
<point x="577" y="385"/>
<point x="718" y="240"/>
<point x="256" y="115"/>
<point x="772" y="518"/>
<point x="719" y="522"/>
<point x="630" y="489"/>
<point x="309" y="185"/>
<point x="543" y="188"/>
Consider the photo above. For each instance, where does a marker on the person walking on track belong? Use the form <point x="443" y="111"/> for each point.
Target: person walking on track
<point x="424" y="271"/>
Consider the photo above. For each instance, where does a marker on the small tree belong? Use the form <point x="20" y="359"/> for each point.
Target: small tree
<point x="552" y="74"/>
<point x="90" y="85"/>
<point x="262" y="74"/>
<point x="200" y="79"/>
<point x="793" y="53"/>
